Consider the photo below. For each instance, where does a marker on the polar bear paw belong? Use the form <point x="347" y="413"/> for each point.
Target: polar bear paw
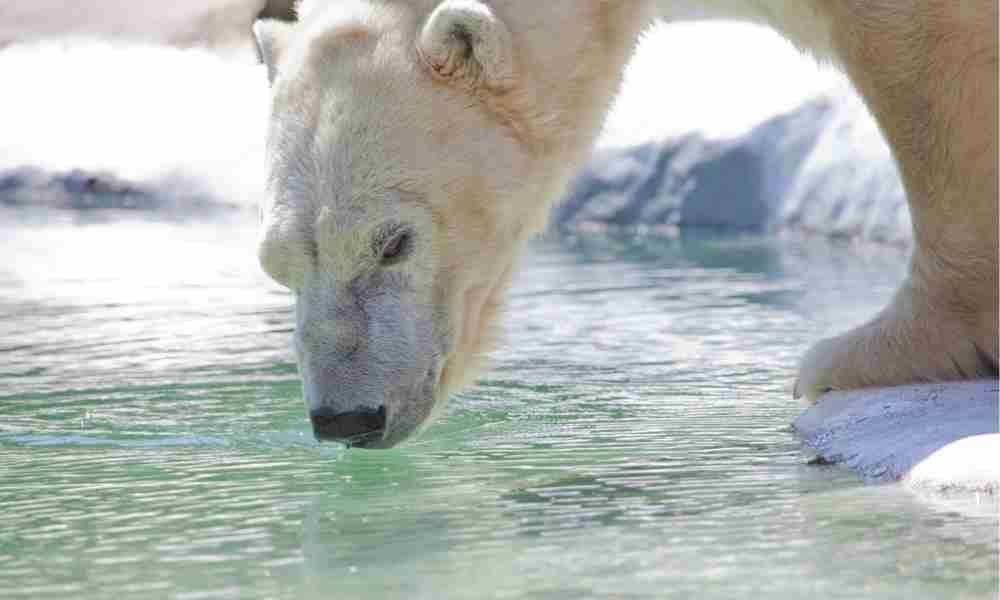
<point x="911" y="341"/>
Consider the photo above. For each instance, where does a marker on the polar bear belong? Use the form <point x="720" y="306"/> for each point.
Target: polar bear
<point x="415" y="145"/>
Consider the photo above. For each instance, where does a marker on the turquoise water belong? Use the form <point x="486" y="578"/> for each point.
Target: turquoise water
<point x="631" y="441"/>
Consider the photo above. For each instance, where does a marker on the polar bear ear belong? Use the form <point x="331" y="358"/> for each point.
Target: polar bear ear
<point x="272" y="39"/>
<point x="464" y="41"/>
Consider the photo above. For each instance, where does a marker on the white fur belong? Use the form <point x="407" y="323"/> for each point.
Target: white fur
<point x="463" y="120"/>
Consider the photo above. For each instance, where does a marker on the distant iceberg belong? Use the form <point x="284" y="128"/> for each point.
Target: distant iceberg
<point x="823" y="167"/>
<point x="31" y="187"/>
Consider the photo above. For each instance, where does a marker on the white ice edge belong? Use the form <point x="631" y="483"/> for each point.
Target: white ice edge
<point x="940" y="438"/>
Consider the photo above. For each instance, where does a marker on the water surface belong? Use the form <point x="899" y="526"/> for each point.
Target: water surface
<point x="631" y="441"/>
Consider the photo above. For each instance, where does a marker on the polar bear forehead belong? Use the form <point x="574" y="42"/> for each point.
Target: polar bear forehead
<point x="361" y="129"/>
<point x="358" y="115"/>
<point x="343" y="25"/>
<point x="340" y="124"/>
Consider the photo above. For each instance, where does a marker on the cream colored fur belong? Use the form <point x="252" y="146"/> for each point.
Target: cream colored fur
<point x="464" y="119"/>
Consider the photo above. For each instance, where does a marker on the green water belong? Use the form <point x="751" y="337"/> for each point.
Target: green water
<point x="631" y="441"/>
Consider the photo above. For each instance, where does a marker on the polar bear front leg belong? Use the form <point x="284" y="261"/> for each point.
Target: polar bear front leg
<point x="928" y="71"/>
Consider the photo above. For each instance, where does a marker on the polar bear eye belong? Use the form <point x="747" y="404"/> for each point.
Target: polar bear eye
<point x="396" y="249"/>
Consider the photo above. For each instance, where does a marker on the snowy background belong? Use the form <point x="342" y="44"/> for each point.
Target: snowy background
<point x="107" y="103"/>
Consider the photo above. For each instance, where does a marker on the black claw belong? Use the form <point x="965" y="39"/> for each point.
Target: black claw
<point x="987" y="361"/>
<point x="958" y="367"/>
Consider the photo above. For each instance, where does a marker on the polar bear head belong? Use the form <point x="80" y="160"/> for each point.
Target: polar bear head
<point x="413" y="148"/>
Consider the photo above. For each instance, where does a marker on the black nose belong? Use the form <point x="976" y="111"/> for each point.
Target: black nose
<point x="354" y="428"/>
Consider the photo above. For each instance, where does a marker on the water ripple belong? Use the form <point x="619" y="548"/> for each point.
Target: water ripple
<point x="631" y="441"/>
